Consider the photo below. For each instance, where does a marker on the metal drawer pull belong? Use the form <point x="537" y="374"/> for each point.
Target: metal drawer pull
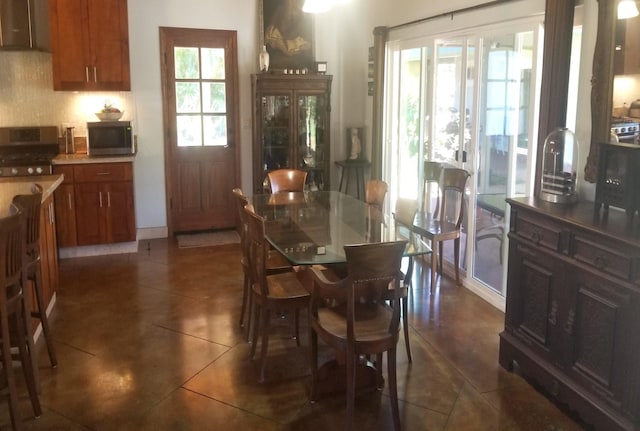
<point x="69" y="199"/>
<point x="100" y="194"/>
<point x="536" y="236"/>
<point x="600" y="261"/>
<point x="103" y="173"/>
<point x="95" y="74"/>
<point x="86" y="73"/>
<point x="109" y="199"/>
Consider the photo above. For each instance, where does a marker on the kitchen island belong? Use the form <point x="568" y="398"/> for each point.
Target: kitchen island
<point x="9" y="187"/>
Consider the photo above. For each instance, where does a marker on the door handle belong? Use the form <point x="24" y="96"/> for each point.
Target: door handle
<point x="100" y="194"/>
<point x="109" y="199"/>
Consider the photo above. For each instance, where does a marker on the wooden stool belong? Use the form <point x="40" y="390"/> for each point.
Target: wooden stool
<point x="30" y="206"/>
<point x="358" y="166"/>
<point x="15" y="322"/>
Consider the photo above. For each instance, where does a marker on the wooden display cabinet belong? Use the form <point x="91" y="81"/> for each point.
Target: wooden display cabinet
<point x="90" y="45"/>
<point x="291" y="127"/>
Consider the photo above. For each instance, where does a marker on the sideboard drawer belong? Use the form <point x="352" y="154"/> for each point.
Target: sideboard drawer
<point x="607" y="257"/>
<point x="542" y="232"/>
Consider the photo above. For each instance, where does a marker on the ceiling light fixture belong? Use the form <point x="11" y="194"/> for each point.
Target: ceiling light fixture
<point x="316" y="6"/>
<point x="627" y="9"/>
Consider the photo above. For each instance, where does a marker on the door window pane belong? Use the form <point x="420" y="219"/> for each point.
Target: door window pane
<point x="189" y="130"/>
<point x="214" y="97"/>
<point x="187" y="97"/>
<point x="187" y="64"/>
<point x="212" y="63"/>
<point x="215" y="130"/>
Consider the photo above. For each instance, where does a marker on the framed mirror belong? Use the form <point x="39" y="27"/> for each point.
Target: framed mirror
<point x="602" y="84"/>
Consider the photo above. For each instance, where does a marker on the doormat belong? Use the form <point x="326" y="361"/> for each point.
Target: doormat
<point x="208" y="239"/>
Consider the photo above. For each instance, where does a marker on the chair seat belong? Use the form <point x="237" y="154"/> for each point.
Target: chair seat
<point x="284" y="286"/>
<point x="434" y="227"/>
<point x="371" y="325"/>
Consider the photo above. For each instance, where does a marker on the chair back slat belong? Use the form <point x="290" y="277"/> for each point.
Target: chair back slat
<point x="287" y="180"/>
<point x="258" y="248"/>
<point x="453" y="189"/>
<point x="12" y="248"/>
<point x="30" y="206"/>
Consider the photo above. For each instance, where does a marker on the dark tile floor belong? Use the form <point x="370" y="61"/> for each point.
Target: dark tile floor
<point x="151" y="341"/>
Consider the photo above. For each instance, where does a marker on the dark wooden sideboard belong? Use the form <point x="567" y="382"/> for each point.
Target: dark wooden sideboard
<point x="572" y="320"/>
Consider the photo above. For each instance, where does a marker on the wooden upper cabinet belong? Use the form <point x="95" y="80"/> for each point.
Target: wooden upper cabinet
<point x="90" y="45"/>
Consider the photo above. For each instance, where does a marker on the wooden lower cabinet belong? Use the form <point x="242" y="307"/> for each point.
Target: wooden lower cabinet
<point x="99" y="207"/>
<point x="48" y="251"/>
<point x="573" y="309"/>
<point x="65" y="204"/>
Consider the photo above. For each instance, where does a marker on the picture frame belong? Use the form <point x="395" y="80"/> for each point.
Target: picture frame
<point x="356" y="145"/>
<point x="287" y="32"/>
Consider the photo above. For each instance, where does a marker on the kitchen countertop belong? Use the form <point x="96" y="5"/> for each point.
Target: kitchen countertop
<point x="9" y="187"/>
<point x="72" y="159"/>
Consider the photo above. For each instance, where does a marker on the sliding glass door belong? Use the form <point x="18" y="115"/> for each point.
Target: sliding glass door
<point x="468" y="101"/>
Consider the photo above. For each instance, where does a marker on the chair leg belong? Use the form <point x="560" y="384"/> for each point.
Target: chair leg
<point x="42" y="315"/>
<point x="250" y="314"/>
<point x="245" y="294"/>
<point x="7" y="369"/>
<point x="27" y="353"/>
<point x="379" y="378"/>
<point x="313" y="362"/>
<point x="393" y="388"/>
<point x="440" y="254"/>
<point x="264" y="342"/>
<point x="351" y="387"/>
<point x="257" y="311"/>
<point x="405" y="326"/>
<point x="434" y="260"/>
<point x="456" y="257"/>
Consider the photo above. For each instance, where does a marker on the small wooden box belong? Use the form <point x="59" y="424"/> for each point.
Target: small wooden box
<point x="618" y="182"/>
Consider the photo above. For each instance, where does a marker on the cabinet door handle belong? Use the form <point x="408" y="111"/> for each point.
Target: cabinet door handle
<point x="51" y="214"/>
<point x="103" y="173"/>
<point x="568" y="327"/>
<point x="553" y="314"/>
<point x="100" y="194"/>
<point x="86" y="73"/>
<point x="109" y="199"/>
<point x="95" y="74"/>
<point x="69" y="200"/>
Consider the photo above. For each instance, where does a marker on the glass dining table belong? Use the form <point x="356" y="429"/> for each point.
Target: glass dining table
<point x="312" y="228"/>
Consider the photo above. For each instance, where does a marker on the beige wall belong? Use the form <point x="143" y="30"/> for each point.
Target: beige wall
<point x="342" y="39"/>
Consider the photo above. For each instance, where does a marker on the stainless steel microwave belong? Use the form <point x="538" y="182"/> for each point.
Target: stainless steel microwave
<point x="110" y="138"/>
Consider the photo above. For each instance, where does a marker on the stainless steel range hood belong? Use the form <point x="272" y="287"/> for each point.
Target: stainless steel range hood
<point x="24" y="25"/>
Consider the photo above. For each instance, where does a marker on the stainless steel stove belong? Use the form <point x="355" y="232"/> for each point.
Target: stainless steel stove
<point x="27" y="151"/>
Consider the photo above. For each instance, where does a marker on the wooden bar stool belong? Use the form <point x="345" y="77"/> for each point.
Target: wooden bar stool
<point x="30" y="206"/>
<point x="14" y="319"/>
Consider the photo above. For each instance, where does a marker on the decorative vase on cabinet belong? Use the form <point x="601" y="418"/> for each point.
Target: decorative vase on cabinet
<point x="291" y="127"/>
<point x="264" y="59"/>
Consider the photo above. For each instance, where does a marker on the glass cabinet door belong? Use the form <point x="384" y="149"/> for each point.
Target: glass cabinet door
<point x="312" y="148"/>
<point x="276" y="145"/>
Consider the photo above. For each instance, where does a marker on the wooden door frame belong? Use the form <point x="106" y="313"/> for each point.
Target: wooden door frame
<point x="167" y="34"/>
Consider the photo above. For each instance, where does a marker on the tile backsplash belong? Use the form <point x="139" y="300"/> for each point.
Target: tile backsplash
<point x="27" y="97"/>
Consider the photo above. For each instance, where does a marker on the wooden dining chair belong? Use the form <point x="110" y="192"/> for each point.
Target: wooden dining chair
<point x="30" y="206"/>
<point x="404" y="215"/>
<point x="287" y="180"/>
<point x="276" y="262"/>
<point x="281" y="292"/>
<point x="352" y="316"/>
<point x="375" y="192"/>
<point x="15" y="323"/>
<point x="446" y="225"/>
